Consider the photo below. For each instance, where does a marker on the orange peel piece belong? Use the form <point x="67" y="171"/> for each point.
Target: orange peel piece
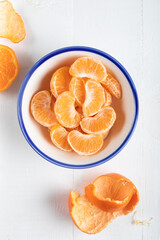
<point x="113" y="192"/>
<point x="11" y="23"/>
<point x="86" y="216"/>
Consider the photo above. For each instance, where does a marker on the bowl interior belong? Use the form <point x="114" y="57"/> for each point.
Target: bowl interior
<point x="125" y="109"/>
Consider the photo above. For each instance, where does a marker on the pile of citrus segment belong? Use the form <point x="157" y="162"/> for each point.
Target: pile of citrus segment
<point x="77" y="111"/>
<point x="108" y="197"/>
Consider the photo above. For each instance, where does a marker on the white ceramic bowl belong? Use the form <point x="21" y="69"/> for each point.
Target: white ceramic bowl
<point x="38" y="78"/>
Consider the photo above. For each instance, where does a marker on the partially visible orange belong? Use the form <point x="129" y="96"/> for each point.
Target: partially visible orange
<point x="100" y="123"/>
<point x="11" y="23"/>
<point x="95" y="98"/>
<point x="42" y="109"/>
<point x="113" y="86"/>
<point x="60" y="81"/>
<point x="9" y="67"/>
<point x="88" y="67"/>
<point x="58" y="136"/>
<point x="65" y="111"/>
<point x="85" y="144"/>
<point x="77" y="87"/>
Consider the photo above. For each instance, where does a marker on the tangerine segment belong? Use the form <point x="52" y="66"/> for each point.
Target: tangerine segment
<point x="60" y="81"/>
<point x="100" y="123"/>
<point x="77" y="87"/>
<point x="65" y="111"/>
<point x="58" y="136"/>
<point x="95" y="98"/>
<point x="41" y="108"/>
<point x="111" y="192"/>
<point x="88" y="67"/>
<point x="105" y="134"/>
<point x="85" y="144"/>
<point x="11" y="23"/>
<point x="86" y="216"/>
<point x="113" y="86"/>
<point x="108" y="98"/>
<point x="9" y="67"/>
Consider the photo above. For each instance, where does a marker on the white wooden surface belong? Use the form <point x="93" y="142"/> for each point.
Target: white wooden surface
<point x="33" y="192"/>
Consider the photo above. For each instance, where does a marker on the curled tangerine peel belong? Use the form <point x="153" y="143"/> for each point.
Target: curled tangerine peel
<point x="58" y="136"/>
<point x="42" y="109"/>
<point x="11" y="23"/>
<point x="88" y="67"/>
<point x="86" y="216"/>
<point x="9" y="67"/>
<point x="113" y="192"/>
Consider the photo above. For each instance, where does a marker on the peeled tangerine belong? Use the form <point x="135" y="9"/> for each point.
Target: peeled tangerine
<point x="109" y="196"/>
<point x="60" y="81"/>
<point x="42" y="109"/>
<point x="58" y="136"/>
<point x="11" y="23"/>
<point x="112" y="85"/>
<point x="77" y="87"/>
<point x="100" y="123"/>
<point x="85" y="144"/>
<point x="95" y="98"/>
<point x="88" y="67"/>
<point x="65" y="111"/>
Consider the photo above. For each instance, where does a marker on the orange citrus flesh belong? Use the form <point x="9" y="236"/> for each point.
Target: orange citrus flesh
<point x="11" y="23"/>
<point x="77" y="87"/>
<point x="88" y="67"/>
<point x="86" y="216"/>
<point x="113" y="86"/>
<point x="100" y="123"/>
<point x="108" y="98"/>
<point x="58" y="136"/>
<point x="9" y="67"/>
<point x="79" y="110"/>
<point x="60" y="81"/>
<point x="85" y="144"/>
<point x="95" y="98"/>
<point x="105" y="135"/>
<point x="65" y="111"/>
<point x="112" y="192"/>
<point x="42" y="109"/>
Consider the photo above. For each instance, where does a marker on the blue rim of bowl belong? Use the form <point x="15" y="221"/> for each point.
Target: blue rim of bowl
<point x="41" y="61"/>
